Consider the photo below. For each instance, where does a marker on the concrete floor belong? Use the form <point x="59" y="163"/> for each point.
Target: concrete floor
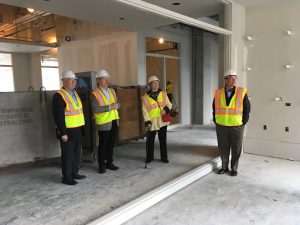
<point x="266" y="192"/>
<point x="33" y="195"/>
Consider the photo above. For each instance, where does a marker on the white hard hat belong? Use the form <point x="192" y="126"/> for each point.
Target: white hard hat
<point x="102" y="73"/>
<point x="69" y="74"/>
<point x="230" y="72"/>
<point x="152" y="78"/>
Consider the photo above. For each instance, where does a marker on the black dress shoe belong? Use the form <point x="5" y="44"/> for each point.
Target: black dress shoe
<point x="111" y="167"/>
<point x="102" y="169"/>
<point x="233" y="173"/>
<point x="78" y="177"/>
<point x="165" y="160"/>
<point x="222" y="171"/>
<point x="69" y="182"/>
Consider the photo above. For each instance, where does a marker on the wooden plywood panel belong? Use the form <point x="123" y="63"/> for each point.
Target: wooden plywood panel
<point x="129" y="114"/>
<point x="154" y="66"/>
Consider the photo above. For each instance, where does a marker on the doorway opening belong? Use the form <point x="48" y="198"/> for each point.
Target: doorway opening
<point x="163" y="61"/>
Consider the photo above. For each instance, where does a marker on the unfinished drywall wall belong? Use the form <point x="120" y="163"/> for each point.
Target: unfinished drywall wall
<point x="274" y="125"/>
<point x="116" y="53"/>
<point x="81" y="30"/>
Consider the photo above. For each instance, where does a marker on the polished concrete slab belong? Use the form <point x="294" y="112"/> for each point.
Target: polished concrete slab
<point x="266" y="192"/>
<point x="34" y="195"/>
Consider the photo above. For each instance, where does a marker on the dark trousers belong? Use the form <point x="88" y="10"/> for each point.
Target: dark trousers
<point x="70" y="157"/>
<point x="162" y="136"/>
<point x="230" y="138"/>
<point x="107" y="140"/>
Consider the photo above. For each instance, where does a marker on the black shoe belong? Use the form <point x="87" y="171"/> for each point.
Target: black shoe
<point x="78" y="177"/>
<point x="102" y="169"/>
<point x="233" y="173"/>
<point x="222" y="171"/>
<point x="165" y="160"/>
<point x="111" y="167"/>
<point x="69" y="182"/>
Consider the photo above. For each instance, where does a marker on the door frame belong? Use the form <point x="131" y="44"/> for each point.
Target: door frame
<point x="164" y="57"/>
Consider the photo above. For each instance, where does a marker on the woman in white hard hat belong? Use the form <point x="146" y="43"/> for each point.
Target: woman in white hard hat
<point x="105" y="107"/>
<point x="156" y="107"/>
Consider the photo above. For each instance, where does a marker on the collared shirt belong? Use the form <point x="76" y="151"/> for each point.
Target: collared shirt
<point x="73" y="96"/>
<point x="229" y="92"/>
<point x="106" y="93"/>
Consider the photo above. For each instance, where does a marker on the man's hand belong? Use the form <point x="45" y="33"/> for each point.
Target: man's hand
<point x="114" y="106"/>
<point x="148" y="124"/>
<point x="162" y="112"/>
<point x="64" y="138"/>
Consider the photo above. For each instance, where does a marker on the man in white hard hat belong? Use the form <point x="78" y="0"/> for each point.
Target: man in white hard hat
<point x="231" y="109"/>
<point x="156" y="106"/>
<point x="69" y="119"/>
<point x="105" y="107"/>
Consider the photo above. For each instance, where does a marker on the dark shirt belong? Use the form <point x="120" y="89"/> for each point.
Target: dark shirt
<point x="58" y="109"/>
<point x="246" y="106"/>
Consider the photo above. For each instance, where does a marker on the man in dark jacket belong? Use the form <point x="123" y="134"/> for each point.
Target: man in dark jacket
<point x="69" y="120"/>
<point x="231" y="109"/>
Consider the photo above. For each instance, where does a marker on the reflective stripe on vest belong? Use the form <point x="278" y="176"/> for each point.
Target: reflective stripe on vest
<point x="231" y="115"/>
<point x="151" y="105"/>
<point x="105" y="117"/>
<point x="73" y="114"/>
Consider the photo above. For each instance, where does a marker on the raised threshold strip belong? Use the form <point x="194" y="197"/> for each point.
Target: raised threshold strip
<point x="142" y="203"/>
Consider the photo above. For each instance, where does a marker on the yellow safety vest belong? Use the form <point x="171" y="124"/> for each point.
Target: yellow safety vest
<point x="154" y="107"/>
<point x="73" y="113"/>
<point x="105" y="117"/>
<point x="169" y="88"/>
<point x="231" y="115"/>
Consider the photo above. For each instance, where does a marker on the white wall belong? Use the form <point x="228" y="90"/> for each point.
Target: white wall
<point x="237" y="47"/>
<point x="269" y="51"/>
<point x="116" y="53"/>
<point x="184" y="38"/>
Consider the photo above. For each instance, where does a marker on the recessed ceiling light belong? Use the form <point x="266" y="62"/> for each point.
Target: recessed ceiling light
<point x="31" y="10"/>
<point x="176" y="3"/>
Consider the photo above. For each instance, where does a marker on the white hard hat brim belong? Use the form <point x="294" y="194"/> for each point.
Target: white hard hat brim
<point x="230" y="72"/>
<point x="153" y="81"/>
<point x="64" y="78"/>
<point x="98" y="77"/>
<point x="231" y="75"/>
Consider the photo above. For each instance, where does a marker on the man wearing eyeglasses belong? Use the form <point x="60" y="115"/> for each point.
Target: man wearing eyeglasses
<point x="231" y="109"/>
